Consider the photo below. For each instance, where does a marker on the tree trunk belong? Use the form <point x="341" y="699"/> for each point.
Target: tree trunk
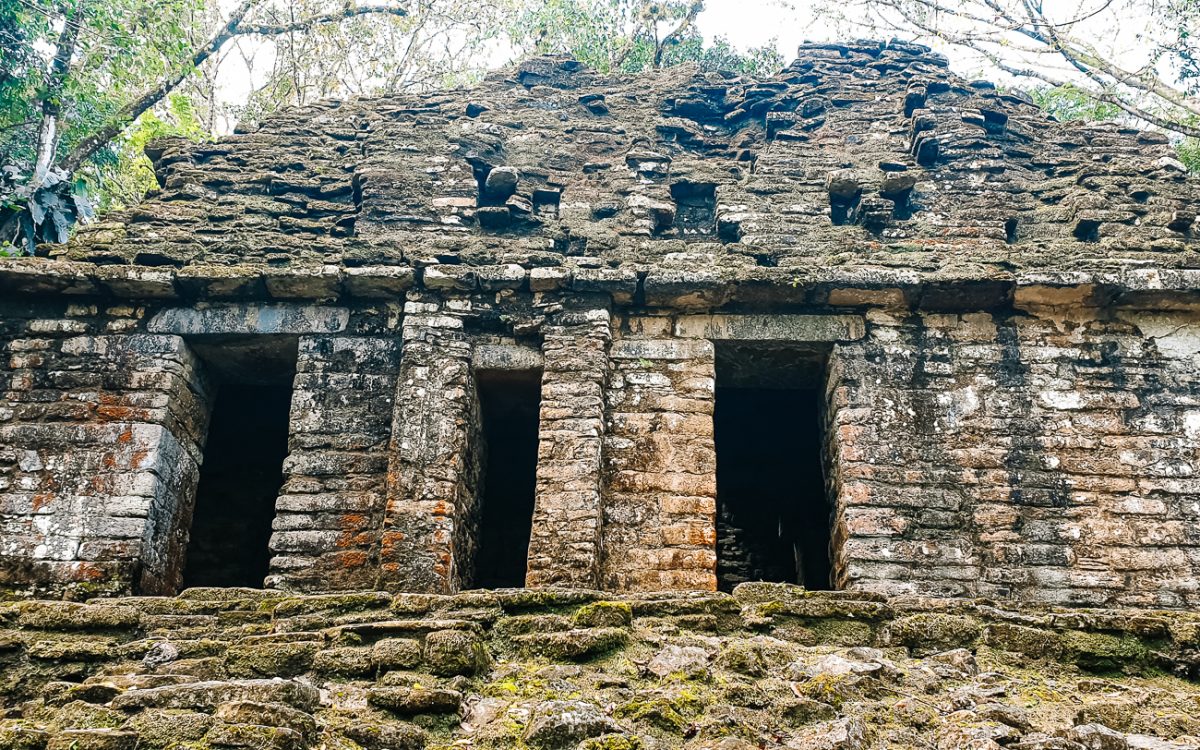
<point x="56" y="76"/>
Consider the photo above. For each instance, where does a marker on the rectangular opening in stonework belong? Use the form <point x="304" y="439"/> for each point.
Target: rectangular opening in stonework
<point x="509" y="402"/>
<point x="242" y="472"/>
<point x="773" y="510"/>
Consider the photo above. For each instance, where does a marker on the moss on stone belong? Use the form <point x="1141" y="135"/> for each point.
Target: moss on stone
<point x="516" y="625"/>
<point x="1186" y="632"/>
<point x="330" y="604"/>
<point x="743" y="657"/>
<point x="17" y="735"/>
<point x="604" y="614"/>
<point x="374" y="735"/>
<point x="410" y="701"/>
<point x="73" y="649"/>
<point x="415" y="604"/>
<point x="396" y="653"/>
<point x="1118" y="715"/>
<point x="930" y="632"/>
<point x="837" y="689"/>
<point x="573" y="645"/>
<point x="671" y="712"/>
<point x="1103" y="652"/>
<point x="547" y="600"/>
<point x="800" y="711"/>
<point x="839" y="632"/>
<point x="253" y="737"/>
<point x="611" y="742"/>
<point x="163" y="728"/>
<point x="270" y="659"/>
<point x="455" y="652"/>
<point x="1032" y="642"/>
<point x="348" y="661"/>
<point x="42" y="615"/>
<point x="92" y="739"/>
<point x="80" y="715"/>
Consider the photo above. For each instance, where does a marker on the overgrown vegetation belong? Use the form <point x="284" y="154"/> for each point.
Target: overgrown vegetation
<point x="630" y="36"/>
<point x="1070" y="102"/>
<point x="85" y="84"/>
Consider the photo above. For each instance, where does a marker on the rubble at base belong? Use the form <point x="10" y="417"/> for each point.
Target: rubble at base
<point x="770" y="666"/>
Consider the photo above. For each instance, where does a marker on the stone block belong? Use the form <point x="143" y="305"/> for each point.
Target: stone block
<point x="250" y="319"/>
<point x="803" y="328"/>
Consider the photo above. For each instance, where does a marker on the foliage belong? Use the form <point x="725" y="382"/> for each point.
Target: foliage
<point x="438" y="43"/>
<point x="1189" y="153"/>
<point x="45" y="213"/>
<point x="123" y="47"/>
<point x="1069" y="102"/>
<point x="86" y="84"/>
<point x="631" y="35"/>
<point x="1180" y="20"/>
<point x="120" y="174"/>
<point x="1073" y="103"/>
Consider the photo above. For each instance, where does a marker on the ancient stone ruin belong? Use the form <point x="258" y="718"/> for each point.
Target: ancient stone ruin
<point x="451" y="421"/>
<point x="864" y="325"/>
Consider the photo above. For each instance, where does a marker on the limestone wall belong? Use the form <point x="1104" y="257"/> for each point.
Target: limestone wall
<point x="101" y="428"/>
<point x="330" y="511"/>
<point x="1043" y="452"/>
<point x="1047" y="457"/>
<point x="660" y="502"/>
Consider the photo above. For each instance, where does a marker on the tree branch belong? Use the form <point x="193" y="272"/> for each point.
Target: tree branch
<point x="234" y="26"/>
<point x="303" y="24"/>
<point x="1141" y="94"/>
<point x="52" y="88"/>
<point x="688" y="21"/>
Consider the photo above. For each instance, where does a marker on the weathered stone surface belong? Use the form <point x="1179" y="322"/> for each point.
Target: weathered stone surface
<point x="249" y="319"/>
<point x="558" y="725"/>
<point x="454" y="652"/>
<point x="839" y="734"/>
<point x="1097" y="737"/>
<point x="92" y="739"/>
<point x="995" y="311"/>
<point x="384" y="736"/>
<point x="675" y="680"/>
<point x="163" y="728"/>
<point x="689" y="662"/>
<point x="415" y="700"/>
<point x="579" y="644"/>
<point x="209" y="695"/>
<point x="253" y="737"/>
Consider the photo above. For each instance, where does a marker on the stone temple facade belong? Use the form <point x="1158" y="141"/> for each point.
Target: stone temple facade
<point x="864" y="325"/>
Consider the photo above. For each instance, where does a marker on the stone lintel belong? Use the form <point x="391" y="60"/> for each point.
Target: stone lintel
<point x="250" y="319"/>
<point x="661" y="349"/>
<point x="771" y="327"/>
<point x="506" y="357"/>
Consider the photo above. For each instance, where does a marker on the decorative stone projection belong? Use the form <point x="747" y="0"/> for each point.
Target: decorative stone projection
<point x="330" y="512"/>
<point x="1047" y="457"/>
<point x="565" y="545"/>
<point x="99" y="449"/>
<point x="660" y="465"/>
<point x="429" y="526"/>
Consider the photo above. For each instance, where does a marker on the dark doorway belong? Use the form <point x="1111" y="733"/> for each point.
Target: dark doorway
<point x="773" y="513"/>
<point x="509" y="402"/>
<point x="239" y="482"/>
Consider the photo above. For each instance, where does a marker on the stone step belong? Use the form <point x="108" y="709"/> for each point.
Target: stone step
<point x="210" y="694"/>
